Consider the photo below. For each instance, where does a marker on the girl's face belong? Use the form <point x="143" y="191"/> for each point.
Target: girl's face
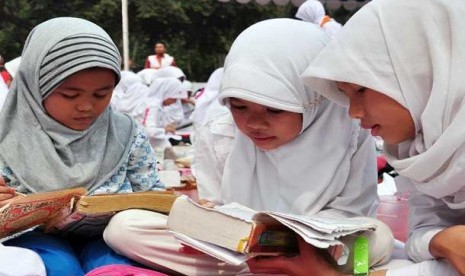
<point x="168" y="101"/>
<point x="380" y="113"/>
<point x="267" y="127"/>
<point x="81" y="98"/>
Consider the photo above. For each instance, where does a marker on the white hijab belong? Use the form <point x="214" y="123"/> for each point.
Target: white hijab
<point x="130" y="93"/>
<point x="413" y="52"/>
<point x="303" y="176"/>
<point x="207" y="98"/>
<point x="311" y="11"/>
<point x="169" y="72"/>
<point x="162" y="89"/>
<point x="166" y="88"/>
<point x="43" y="154"/>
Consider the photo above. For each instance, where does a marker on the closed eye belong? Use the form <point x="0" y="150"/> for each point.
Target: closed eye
<point x="274" y="111"/>
<point x="238" y="107"/>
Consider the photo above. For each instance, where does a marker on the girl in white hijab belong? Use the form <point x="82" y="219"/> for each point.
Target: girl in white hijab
<point x="207" y="97"/>
<point x="129" y="95"/>
<point x="403" y="78"/>
<point x="158" y="118"/>
<point x="302" y="160"/>
<point x="313" y="11"/>
<point x="57" y="131"/>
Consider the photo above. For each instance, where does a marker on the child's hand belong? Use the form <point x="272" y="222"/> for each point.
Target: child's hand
<point x="206" y="203"/>
<point x="170" y="128"/>
<point x="308" y="262"/>
<point x="6" y="193"/>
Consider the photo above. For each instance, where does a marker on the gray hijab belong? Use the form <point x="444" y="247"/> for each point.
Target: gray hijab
<point x="43" y="154"/>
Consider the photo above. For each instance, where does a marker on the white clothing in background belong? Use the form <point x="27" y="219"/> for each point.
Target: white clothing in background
<point x="15" y="261"/>
<point x="392" y="46"/>
<point x="129" y="94"/>
<point x="147" y="74"/>
<point x="156" y="116"/>
<point x="214" y="142"/>
<point x="165" y="61"/>
<point x="207" y="97"/>
<point x="170" y="72"/>
<point x="312" y="11"/>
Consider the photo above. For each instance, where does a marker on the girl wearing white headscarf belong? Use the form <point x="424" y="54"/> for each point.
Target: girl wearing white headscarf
<point x="313" y="11"/>
<point x="405" y="82"/>
<point x="207" y="97"/>
<point x="129" y="94"/>
<point x="313" y="173"/>
<point x="157" y="118"/>
<point x="78" y="141"/>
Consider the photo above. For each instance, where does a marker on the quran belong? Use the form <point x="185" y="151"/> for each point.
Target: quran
<point x="72" y="212"/>
<point x="234" y="233"/>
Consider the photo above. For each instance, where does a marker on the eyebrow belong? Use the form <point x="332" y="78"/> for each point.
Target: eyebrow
<point x="72" y="88"/>
<point x="361" y="88"/>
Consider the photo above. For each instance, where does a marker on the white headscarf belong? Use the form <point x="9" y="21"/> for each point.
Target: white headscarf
<point x="305" y="175"/>
<point x="169" y="72"/>
<point x="43" y="154"/>
<point x="162" y="89"/>
<point x="311" y="11"/>
<point x="413" y="52"/>
<point x="208" y="96"/>
<point x="166" y="88"/>
<point x="147" y="74"/>
<point x="129" y="95"/>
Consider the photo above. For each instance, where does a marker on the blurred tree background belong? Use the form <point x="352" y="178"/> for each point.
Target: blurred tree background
<point x="198" y="33"/>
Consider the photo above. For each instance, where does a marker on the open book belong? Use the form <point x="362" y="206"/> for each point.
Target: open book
<point x="71" y="212"/>
<point x="234" y="233"/>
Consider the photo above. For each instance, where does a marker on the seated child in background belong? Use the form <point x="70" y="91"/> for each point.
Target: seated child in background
<point x="158" y="119"/>
<point x="57" y="131"/>
<point x="129" y="95"/>
<point x="295" y="152"/>
<point x="399" y="65"/>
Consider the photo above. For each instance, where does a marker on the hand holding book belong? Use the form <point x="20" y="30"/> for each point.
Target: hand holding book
<point x="6" y="193"/>
<point x="310" y="261"/>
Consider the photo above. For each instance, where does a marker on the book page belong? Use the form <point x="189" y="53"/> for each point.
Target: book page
<point x="221" y="253"/>
<point x="236" y="210"/>
<point x="329" y="225"/>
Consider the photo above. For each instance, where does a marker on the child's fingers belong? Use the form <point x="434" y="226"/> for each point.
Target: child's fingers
<point x="206" y="203"/>
<point x="2" y="181"/>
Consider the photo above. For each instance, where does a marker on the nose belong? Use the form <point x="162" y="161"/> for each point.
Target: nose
<point x="257" y="121"/>
<point x="356" y="110"/>
<point x="84" y="106"/>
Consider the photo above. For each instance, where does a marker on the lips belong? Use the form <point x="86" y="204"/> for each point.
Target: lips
<point x="84" y="119"/>
<point x="374" y="128"/>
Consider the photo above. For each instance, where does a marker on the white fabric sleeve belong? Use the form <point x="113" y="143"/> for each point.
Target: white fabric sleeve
<point x="208" y="170"/>
<point x="428" y="216"/>
<point x="213" y="145"/>
<point x="152" y="127"/>
<point x="359" y="196"/>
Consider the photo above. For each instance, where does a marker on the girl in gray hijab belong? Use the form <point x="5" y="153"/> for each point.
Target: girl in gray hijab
<point x="57" y="131"/>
